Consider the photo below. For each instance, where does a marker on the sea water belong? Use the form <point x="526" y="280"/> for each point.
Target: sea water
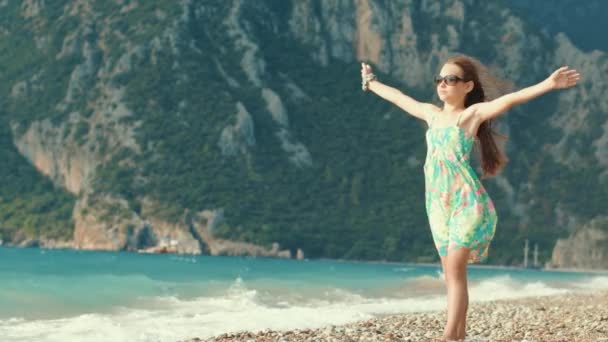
<point x="69" y="295"/>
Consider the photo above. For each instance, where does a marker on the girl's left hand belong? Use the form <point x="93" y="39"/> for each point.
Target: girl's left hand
<point x="564" y="77"/>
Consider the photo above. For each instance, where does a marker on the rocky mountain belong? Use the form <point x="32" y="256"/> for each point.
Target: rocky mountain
<point x="574" y="18"/>
<point x="224" y="126"/>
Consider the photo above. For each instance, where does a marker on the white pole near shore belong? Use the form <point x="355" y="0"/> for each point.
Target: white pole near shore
<point x="535" y="255"/>
<point x="526" y="254"/>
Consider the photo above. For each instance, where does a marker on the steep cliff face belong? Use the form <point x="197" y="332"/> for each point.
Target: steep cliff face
<point x="586" y="248"/>
<point x="148" y="112"/>
<point x="58" y="157"/>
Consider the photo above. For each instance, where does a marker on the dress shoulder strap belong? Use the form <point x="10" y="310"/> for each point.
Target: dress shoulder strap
<point x="458" y="120"/>
<point x="432" y="122"/>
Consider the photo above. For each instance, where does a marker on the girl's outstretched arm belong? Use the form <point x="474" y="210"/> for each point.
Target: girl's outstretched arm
<point x="395" y="96"/>
<point x="559" y="79"/>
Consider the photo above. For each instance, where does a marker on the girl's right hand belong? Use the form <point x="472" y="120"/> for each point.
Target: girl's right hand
<point x="365" y="69"/>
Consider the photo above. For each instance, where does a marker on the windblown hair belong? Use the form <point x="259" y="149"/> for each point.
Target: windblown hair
<point x="486" y="87"/>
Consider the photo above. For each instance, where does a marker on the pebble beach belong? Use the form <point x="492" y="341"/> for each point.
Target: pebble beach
<point x="569" y="317"/>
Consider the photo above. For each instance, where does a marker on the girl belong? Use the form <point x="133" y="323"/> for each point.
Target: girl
<point x="460" y="212"/>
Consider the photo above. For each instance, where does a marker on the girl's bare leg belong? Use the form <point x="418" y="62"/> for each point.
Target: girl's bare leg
<point x="458" y="294"/>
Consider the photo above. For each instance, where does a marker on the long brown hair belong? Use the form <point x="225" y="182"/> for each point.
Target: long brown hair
<point x="486" y="87"/>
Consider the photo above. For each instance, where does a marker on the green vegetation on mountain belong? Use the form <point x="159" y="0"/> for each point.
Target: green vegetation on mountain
<point x="184" y="76"/>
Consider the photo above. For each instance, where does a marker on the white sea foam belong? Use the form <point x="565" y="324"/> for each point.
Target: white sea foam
<point x="241" y="307"/>
<point x="504" y="287"/>
<point x="593" y="283"/>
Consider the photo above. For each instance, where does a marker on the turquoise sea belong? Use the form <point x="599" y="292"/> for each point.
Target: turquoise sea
<point x="67" y="295"/>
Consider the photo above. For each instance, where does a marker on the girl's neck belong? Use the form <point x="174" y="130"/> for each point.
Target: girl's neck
<point x="452" y="108"/>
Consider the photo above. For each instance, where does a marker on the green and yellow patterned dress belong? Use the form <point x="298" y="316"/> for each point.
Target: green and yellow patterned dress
<point x="460" y="212"/>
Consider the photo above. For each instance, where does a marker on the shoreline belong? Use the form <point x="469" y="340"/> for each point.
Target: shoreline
<point x="574" y="316"/>
<point x="381" y="262"/>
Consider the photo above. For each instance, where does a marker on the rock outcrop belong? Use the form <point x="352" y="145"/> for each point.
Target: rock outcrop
<point x="203" y="224"/>
<point x="586" y="248"/>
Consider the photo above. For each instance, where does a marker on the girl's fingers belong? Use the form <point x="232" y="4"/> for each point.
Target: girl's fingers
<point x="568" y="77"/>
<point x="365" y="69"/>
<point x="572" y="81"/>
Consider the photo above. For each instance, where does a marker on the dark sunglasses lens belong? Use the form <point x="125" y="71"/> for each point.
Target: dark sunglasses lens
<point x="438" y="79"/>
<point x="451" y="79"/>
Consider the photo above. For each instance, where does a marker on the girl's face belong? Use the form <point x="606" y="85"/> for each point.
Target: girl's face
<point x="452" y="87"/>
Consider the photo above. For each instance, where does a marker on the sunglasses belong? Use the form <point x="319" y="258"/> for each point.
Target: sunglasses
<point x="449" y="79"/>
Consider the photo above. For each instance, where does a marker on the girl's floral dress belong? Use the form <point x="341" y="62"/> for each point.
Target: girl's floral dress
<point x="460" y="212"/>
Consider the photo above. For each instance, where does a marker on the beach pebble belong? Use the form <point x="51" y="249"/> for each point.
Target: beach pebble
<point x="571" y="317"/>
